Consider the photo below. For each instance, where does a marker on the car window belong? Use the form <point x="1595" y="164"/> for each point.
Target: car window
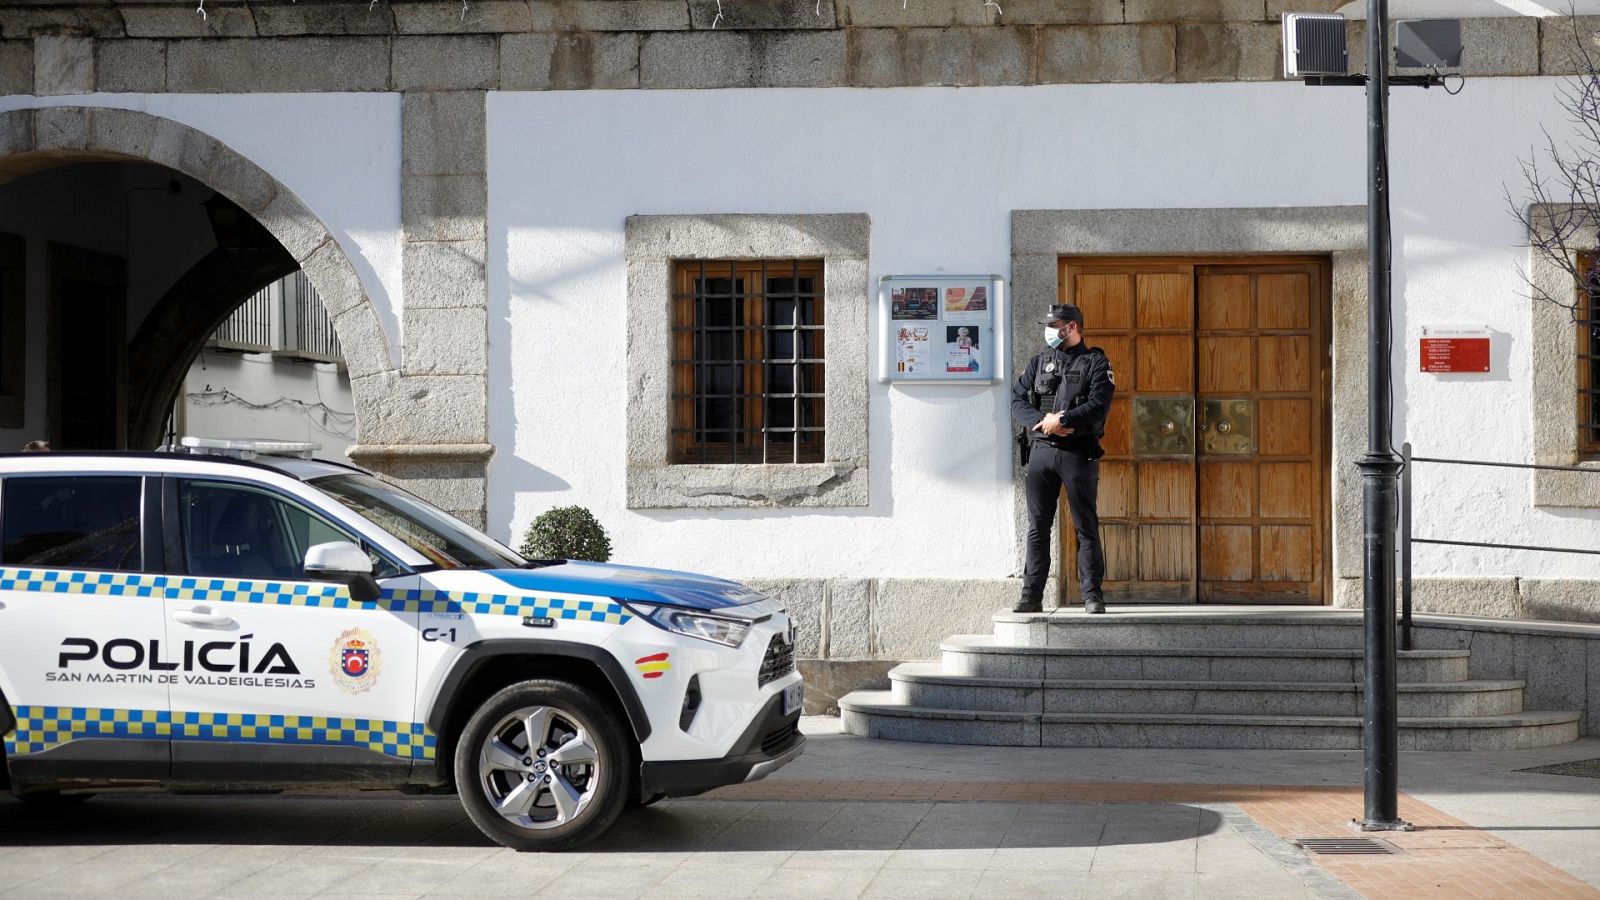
<point x="72" y="522"/>
<point x="444" y="540"/>
<point x="236" y="531"/>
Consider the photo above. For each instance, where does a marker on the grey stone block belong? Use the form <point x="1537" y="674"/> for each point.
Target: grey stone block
<point x="724" y="59"/>
<point x="122" y="131"/>
<point x="1195" y="10"/>
<point x="443" y="132"/>
<point x="446" y="62"/>
<point x="754" y="486"/>
<point x="295" y="227"/>
<point x="762" y="14"/>
<point x="335" y="279"/>
<point x="478" y="16"/>
<point x="16" y="68"/>
<point x="21" y="22"/>
<point x="241" y="180"/>
<point x="180" y="147"/>
<point x="444" y="341"/>
<point x="61" y="128"/>
<point x="923" y="14"/>
<point x="804" y="598"/>
<point x="1560" y="39"/>
<point x="849" y="611"/>
<point x="131" y="66"/>
<point x="176" y="20"/>
<point x="829" y="679"/>
<point x="444" y="207"/>
<point x="443" y="409"/>
<point x="286" y="19"/>
<point x="1083" y="54"/>
<point x="1494" y="597"/>
<point x="63" y="64"/>
<point x="993" y="664"/>
<point x="1230" y="52"/>
<point x="451" y="476"/>
<point x="278" y="65"/>
<point x="16" y="132"/>
<point x="1561" y="600"/>
<point x="1076" y="667"/>
<point x="845" y="235"/>
<point x="1168" y="668"/>
<point x="1492" y="45"/>
<point x="569" y="61"/>
<point x="1591" y="707"/>
<point x="1493" y="655"/>
<point x="942" y="56"/>
<point x="912" y="616"/>
<point x="361" y="339"/>
<point x="1062" y="12"/>
<point x="1555" y="669"/>
<point x="444" y="275"/>
<point x="1166" y="231"/>
<point x="609" y="15"/>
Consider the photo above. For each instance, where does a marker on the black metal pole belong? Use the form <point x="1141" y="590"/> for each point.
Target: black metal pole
<point x="1379" y="468"/>
<point x="1405" y="547"/>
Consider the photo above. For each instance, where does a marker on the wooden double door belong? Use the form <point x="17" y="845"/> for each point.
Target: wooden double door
<point x="1214" y="486"/>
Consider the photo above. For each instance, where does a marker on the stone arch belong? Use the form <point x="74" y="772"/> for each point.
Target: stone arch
<point x="35" y="139"/>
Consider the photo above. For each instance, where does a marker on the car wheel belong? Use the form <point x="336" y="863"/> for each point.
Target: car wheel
<point x="541" y="766"/>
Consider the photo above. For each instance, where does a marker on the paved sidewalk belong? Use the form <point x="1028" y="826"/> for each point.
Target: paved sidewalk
<point x="856" y="817"/>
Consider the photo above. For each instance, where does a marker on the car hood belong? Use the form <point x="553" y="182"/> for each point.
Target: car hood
<point x="684" y="589"/>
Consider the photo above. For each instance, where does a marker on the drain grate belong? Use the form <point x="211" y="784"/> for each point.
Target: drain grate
<point x="1346" y="846"/>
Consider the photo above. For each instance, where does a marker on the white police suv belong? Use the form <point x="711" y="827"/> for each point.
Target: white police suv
<point x="197" y="622"/>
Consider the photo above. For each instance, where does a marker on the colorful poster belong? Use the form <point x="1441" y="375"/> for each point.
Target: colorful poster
<point x="914" y="356"/>
<point x="914" y="303"/>
<point x="962" y="350"/>
<point x="966" y="303"/>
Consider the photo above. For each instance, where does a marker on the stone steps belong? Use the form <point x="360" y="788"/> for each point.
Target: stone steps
<point x="986" y="656"/>
<point x="876" y="714"/>
<point x="1333" y="630"/>
<point x="927" y="685"/>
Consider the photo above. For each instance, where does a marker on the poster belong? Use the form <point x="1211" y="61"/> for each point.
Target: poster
<point x="942" y="328"/>
<point x="914" y="355"/>
<point x="962" y="349"/>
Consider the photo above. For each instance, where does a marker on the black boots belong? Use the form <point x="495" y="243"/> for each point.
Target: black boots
<point x="1094" y="604"/>
<point x="1025" y="605"/>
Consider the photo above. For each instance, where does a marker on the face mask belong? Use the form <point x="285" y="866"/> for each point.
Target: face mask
<point x="1052" y="337"/>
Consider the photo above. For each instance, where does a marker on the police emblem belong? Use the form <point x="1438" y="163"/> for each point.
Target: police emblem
<point x="1050" y="367"/>
<point x="355" y="661"/>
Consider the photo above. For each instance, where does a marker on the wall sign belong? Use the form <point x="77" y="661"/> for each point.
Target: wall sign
<point x="942" y="328"/>
<point x="1455" y="348"/>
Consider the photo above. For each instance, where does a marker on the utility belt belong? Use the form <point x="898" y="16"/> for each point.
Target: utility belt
<point x="1084" y="445"/>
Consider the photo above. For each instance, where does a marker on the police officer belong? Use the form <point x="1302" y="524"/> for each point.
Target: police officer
<point x="1062" y="399"/>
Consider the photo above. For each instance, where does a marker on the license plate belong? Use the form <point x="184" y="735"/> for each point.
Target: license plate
<point x="793" y="695"/>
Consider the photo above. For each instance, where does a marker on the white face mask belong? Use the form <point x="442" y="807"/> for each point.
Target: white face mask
<point x="1052" y="337"/>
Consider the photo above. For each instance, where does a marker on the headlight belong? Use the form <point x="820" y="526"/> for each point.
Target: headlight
<point x="728" y="632"/>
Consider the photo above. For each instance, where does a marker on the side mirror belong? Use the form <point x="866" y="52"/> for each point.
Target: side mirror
<point x="344" y="563"/>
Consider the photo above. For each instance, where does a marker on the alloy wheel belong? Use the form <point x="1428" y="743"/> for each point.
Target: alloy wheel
<point x="538" y="767"/>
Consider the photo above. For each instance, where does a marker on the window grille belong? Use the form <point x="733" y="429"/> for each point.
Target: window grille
<point x="250" y="328"/>
<point x="747" y="361"/>
<point x="1588" y="324"/>
<point x="287" y="318"/>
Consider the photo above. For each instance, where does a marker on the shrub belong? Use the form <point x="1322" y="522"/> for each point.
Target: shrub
<point x="567" y="532"/>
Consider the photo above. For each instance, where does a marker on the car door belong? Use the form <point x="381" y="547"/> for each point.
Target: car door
<point x="82" y="655"/>
<point x="286" y="678"/>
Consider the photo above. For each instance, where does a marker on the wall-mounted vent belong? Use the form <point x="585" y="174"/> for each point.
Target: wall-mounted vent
<point x="1314" y="45"/>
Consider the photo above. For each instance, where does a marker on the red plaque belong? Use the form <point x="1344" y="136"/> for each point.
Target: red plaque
<point x="1455" y="349"/>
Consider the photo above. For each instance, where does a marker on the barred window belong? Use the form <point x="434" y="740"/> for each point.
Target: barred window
<point x="747" y="361"/>
<point x="1588" y="322"/>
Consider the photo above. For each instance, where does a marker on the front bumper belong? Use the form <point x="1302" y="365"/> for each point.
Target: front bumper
<point x="772" y="741"/>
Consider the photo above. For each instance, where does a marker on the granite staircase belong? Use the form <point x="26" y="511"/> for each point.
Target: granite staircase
<point x="1191" y="677"/>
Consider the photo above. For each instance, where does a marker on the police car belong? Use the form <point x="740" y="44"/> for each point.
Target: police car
<point x="238" y="616"/>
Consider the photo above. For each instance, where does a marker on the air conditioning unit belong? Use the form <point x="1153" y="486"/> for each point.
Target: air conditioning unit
<point x="1314" y="45"/>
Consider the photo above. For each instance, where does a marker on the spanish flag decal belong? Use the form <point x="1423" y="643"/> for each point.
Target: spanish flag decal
<point x="652" y="666"/>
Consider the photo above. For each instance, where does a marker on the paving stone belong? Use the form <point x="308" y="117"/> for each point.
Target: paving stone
<point x="569" y="61"/>
<point x="478" y="16"/>
<point x="278" y="65"/>
<point x="443" y="132"/>
<point x="175" y="20"/>
<point x="941" y="56"/>
<point x="16" y="67"/>
<point x="63" y="64"/>
<point x="609" y="15"/>
<point x="761" y="14"/>
<point x="445" y="341"/>
<point x="131" y="66"/>
<point x="1229" y="52"/>
<point x="1107" y="53"/>
<point x="446" y="63"/>
<point x="284" y="19"/>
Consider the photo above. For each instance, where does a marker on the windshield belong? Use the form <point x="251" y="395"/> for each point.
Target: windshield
<point x="446" y="541"/>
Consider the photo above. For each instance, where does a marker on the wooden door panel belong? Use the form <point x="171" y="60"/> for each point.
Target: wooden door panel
<point x="1224" y="302"/>
<point x="1225" y="365"/>
<point x="1227" y="552"/>
<point x="1227" y="490"/>
<point x="1118" y="349"/>
<point x="1284" y="302"/>
<point x="1286" y="553"/>
<point x="1284" y="427"/>
<point x="1285" y="364"/>
<point x="1288" y="490"/>
<point x="1164" y="301"/>
<point x="1165" y="363"/>
<point x="1121" y="546"/>
<point x="1119" y="429"/>
<point x="1166" y="552"/>
<point x="1166" y="490"/>
<point x="1119" y="490"/>
<point x="1106" y="300"/>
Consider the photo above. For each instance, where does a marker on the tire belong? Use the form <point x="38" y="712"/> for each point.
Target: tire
<point x="519" y="795"/>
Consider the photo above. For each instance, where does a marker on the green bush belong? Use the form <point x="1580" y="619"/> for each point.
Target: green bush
<point x="567" y="532"/>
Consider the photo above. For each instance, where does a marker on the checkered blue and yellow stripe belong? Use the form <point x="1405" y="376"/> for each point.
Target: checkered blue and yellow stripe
<point x="40" y="728"/>
<point x="327" y="596"/>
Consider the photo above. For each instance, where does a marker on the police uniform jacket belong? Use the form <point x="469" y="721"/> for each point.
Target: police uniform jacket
<point x="1077" y="380"/>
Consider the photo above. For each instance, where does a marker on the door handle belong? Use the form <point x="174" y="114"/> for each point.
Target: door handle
<point x="202" y="618"/>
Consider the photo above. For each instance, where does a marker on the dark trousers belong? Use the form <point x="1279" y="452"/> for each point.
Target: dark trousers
<point x="1049" y="470"/>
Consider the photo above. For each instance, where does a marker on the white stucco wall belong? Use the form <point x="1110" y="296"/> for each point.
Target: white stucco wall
<point x="339" y="153"/>
<point x="939" y="171"/>
<point x="311" y="401"/>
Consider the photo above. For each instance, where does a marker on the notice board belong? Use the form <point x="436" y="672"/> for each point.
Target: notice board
<point x="942" y="328"/>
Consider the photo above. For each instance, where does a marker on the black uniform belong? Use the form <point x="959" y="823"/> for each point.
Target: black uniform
<point x="1079" y="381"/>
